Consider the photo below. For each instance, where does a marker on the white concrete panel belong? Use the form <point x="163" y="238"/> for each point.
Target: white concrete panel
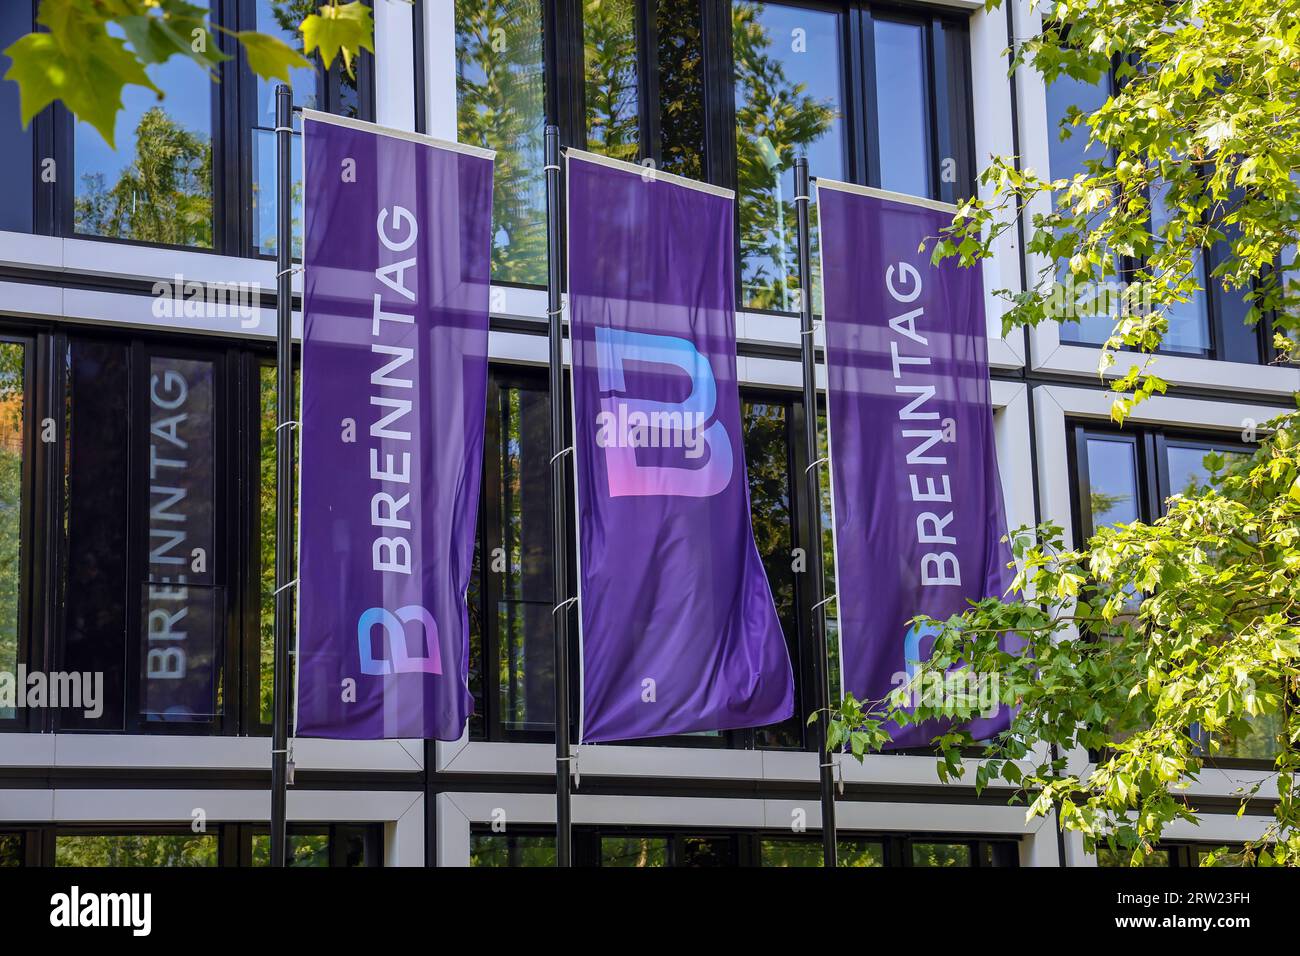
<point x="991" y="98"/>
<point x="395" y="64"/>
<point x="440" y="68"/>
<point x="150" y="752"/>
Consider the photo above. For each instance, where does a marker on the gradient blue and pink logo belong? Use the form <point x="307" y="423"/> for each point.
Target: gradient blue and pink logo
<point x="703" y="465"/>
<point x="912" y="656"/>
<point x="393" y="638"/>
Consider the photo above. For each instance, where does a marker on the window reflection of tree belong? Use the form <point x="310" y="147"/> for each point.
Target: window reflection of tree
<point x="777" y="120"/>
<point x="164" y="195"/>
<point x="767" y="468"/>
<point x="12" y="383"/>
<point x="609" y="40"/>
<point x="500" y="87"/>
<point x="136" y="850"/>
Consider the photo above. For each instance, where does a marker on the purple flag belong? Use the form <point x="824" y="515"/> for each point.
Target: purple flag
<point x="918" y="510"/>
<point x="679" y="632"/>
<point x="395" y="330"/>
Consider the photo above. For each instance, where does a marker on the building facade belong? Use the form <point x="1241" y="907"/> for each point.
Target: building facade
<point x="137" y="389"/>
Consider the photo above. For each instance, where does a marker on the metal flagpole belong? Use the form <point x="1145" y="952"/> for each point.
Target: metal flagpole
<point x="283" y="469"/>
<point x="559" y="505"/>
<point x="814" y="512"/>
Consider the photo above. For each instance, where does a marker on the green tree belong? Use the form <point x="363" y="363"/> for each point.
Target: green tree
<point x="1154" y="647"/>
<point x="91" y="49"/>
<point x="1200" y="145"/>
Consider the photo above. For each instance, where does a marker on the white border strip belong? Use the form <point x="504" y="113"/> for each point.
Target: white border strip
<point x="566" y="300"/>
<point x="296" y="450"/>
<point x="318" y="117"/>
<point x="886" y="195"/>
<point x="649" y="173"/>
<point x="810" y="421"/>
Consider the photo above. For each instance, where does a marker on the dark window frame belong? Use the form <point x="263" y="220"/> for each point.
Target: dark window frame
<point x="949" y="88"/>
<point x="234" y="840"/>
<point x="1215" y="296"/>
<point x="746" y="844"/>
<point x="28" y="649"/>
<point x="949" y="97"/>
<point x="228" y="387"/>
<point x="44" y="543"/>
<point x="1183" y="854"/>
<point x="241" y="232"/>
<point x="487" y="724"/>
<point x="234" y="113"/>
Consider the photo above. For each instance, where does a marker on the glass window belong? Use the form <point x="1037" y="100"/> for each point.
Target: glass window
<point x="499" y="849"/>
<point x="828" y="560"/>
<point x="96" y="525"/>
<point x="767" y="465"/>
<point x="903" y="107"/>
<point x="808" y="852"/>
<point x="622" y="119"/>
<point x="12" y="442"/>
<point x="129" y="849"/>
<point x="339" y="845"/>
<point x="17" y="160"/>
<point x="1112" y="481"/>
<point x="1186" y="474"/>
<point x="13" y="850"/>
<point x="788" y="69"/>
<point x="155" y="185"/>
<point x="701" y="851"/>
<point x="1189" y="322"/>
<point x="1226" y="858"/>
<point x="184" y="607"/>
<point x="267" y="392"/>
<point x="1186" y="465"/>
<point x="941" y="854"/>
<point x="279" y="18"/>
<point x="335" y="91"/>
<point x="304" y="849"/>
<point x="609" y="52"/>
<point x="1066" y="158"/>
<point x="523" y="574"/>
<point x="680" y="54"/>
<point x="634" y="851"/>
<point x="500" y="93"/>
<point x="1108" y="857"/>
<point x="144" y="597"/>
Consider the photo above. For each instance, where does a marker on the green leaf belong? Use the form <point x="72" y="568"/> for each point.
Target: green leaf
<point x="88" y="78"/>
<point x="269" y="57"/>
<point x="182" y="29"/>
<point x="339" y="29"/>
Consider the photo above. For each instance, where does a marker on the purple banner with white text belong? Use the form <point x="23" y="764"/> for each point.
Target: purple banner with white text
<point x="918" y="509"/>
<point x="679" y="632"/>
<point x="394" y="368"/>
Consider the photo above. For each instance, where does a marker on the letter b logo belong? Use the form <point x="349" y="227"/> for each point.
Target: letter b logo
<point x="399" y="659"/>
<point x="627" y="476"/>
